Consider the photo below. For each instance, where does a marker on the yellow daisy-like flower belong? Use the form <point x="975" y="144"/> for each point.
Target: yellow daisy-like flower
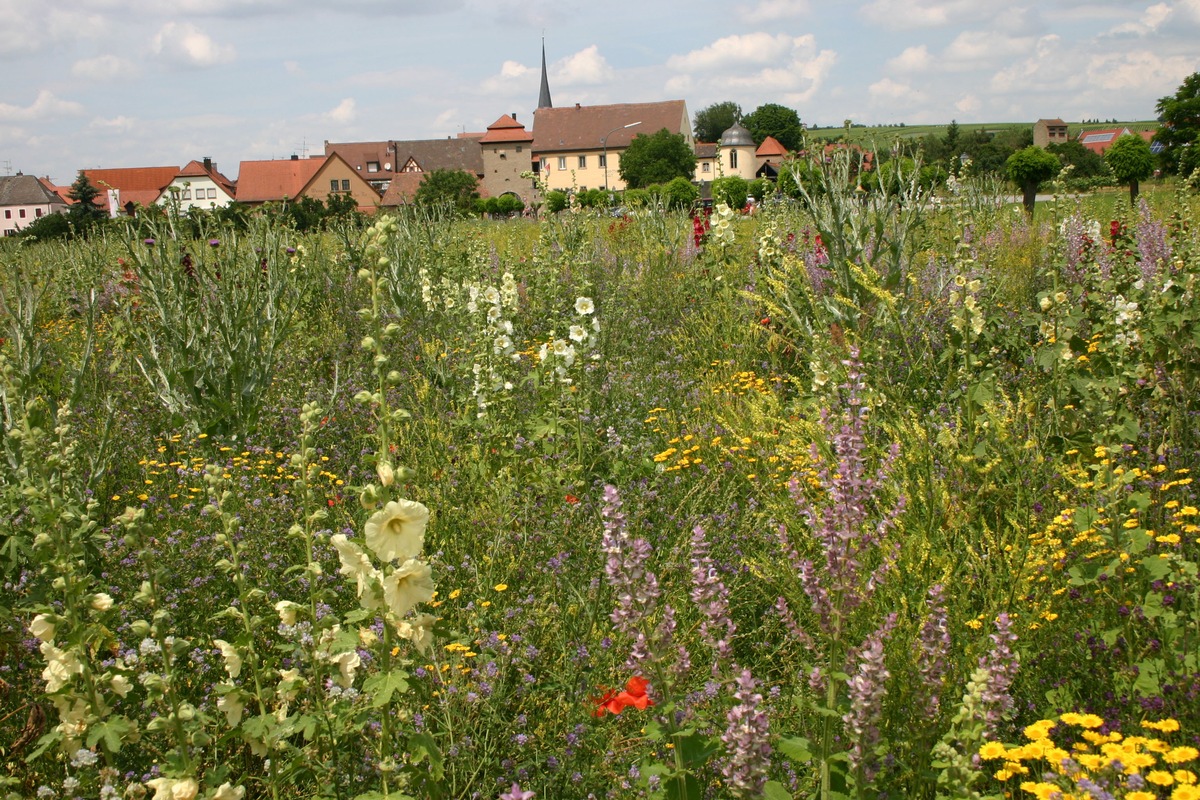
<point x="1185" y="776"/>
<point x="1164" y="725"/>
<point x="992" y="750"/>
<point x="1181" y="755"/>
<point x="1160" y="777"/>
<point x="1140" y="796"/>
<point x="501" y="587"/>
<point x="1039" y="730"/>
<point x="1082" y="720"/>
<point x="1041" y="790"/>
<point x="1185" y="792"/>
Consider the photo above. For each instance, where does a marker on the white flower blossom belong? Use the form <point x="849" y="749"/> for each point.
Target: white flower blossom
<point x="397" y="531"/>
<point x="584" y="306"/>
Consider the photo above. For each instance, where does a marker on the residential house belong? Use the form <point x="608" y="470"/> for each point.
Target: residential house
<point x="706" y="162"/>
<point x="580" y="147"/>
<point x="380" y="163"/>
<point x="291" y="179"/>
<point x="198" y="185"/>
<point x="769" y="157"/>
<point x="1049" y="131"/>
<point x="1100" y="140"/>
<point x="23" y="199"/>
<point x="123" y="190"/>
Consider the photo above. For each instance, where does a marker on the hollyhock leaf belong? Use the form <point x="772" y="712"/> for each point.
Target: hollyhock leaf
<point x="774" y="790"/>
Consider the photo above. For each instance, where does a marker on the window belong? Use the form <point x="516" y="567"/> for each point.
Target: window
<point x="37" y="212"/>
<point x="8" y="213"/>
<point x="372" y="166"/>
<point x="186" y="194"/>
<point x="345" y="184"/>
<point x="583" y="162"/>
<point x="333" y="185"/>
<point x="705" y="167"/>
<point x="603" y="161"/>
<point x="212" y="194"/>
<point x="21" y="213"/>
<point x="518" y="148"/>
<point x="562" y="162"/>
<point x="733" y="159"/>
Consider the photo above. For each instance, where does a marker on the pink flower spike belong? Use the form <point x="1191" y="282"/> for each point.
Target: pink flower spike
<point x="515" y="793"/>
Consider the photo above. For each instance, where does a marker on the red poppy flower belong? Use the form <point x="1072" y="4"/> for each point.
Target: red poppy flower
<point x="615" y="702"/>
<point x="571" y="499"/>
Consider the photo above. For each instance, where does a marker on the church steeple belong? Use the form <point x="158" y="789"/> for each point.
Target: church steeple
<point x="544" y="96"/>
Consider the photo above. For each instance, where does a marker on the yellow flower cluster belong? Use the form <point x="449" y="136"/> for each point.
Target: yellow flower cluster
<point x="1127" y="767"/>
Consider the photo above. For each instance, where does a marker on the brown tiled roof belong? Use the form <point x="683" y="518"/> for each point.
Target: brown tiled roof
<point x="402" y="189"/>
<point x="506" y="129"/>
<point x="429" y="154"/>
<point x="61" y="191"/>
<point x="196" y="169"/>
<point x="26" y="190"/>
<point x="584" y="127"/>
<point x="1055" y="122"/>
<point x="262" y="181"/>
<point x="140" y="185"/>
<point x="769" y="148"/>
<point x="706" y="149"/>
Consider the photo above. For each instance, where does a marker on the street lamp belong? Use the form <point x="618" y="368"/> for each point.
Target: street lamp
<point x="604" y="142"/>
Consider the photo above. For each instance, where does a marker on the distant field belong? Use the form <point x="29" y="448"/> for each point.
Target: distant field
<point x="880" y="134"/>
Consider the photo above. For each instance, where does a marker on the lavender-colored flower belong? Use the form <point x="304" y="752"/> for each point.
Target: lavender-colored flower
<point x="635" y="585"/>
<point x="1153" y="245"/>
<point x="214" y="242"/>
<point x="867" y="688"/>
<point x="746" y="739"/>
<point x="711" y="596"/>
<point x="934" y="646"/>
<point x="148" y="241"/>
<point x="1001" y="665"/>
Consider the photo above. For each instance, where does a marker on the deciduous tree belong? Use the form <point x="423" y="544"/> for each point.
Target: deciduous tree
<point x="709" y="123"/>
<point x="1180" y="116"/>
<point x="1029" y="168"/>
<point x="454" y="187"/>
<point x="772" y="119"/>
<point x="1131" y="161"/>
<point x="657" y="158"/>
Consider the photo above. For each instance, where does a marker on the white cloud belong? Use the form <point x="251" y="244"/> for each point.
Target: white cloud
<point x="186" y="45"/>
<point x="913" y="59"/>
<point x="293" y="67"/>
<point x="790" y="68"/>
<point x="977" y="49"/>
<point x="583" y="68"/>
<point x="104" y="68"/>
<point x="31" y="27"/>
<point x="45" y="107"/>
<point x="895" y="96"/>
<point x="119" y="124"/>
<point x="774" y="10"/>
<point x="905" y="14"/>
<point x="344" y="112"/>
<point x="968" y="104"/>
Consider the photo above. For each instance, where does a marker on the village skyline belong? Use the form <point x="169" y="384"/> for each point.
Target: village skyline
<point x="101" y="84"/>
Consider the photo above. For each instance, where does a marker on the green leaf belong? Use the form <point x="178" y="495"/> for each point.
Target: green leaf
<point x="381" y="687"/>
<point x="796" y="748"/>
<point x="1158" y="566"/>
<point x="113" y="731"/>
<point x="423" y="746"/>
<point x="774" y="790"/>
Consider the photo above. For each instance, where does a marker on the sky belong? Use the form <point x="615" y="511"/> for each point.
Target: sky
<point x="126" y="83"/>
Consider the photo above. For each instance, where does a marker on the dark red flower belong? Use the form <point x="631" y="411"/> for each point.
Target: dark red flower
<point x="615" y="702"/>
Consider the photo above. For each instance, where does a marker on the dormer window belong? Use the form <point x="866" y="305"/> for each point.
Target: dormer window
<point x="372" y="166"/>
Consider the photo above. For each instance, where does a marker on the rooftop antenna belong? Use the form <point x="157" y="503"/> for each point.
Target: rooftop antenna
<point x="7" y="167"/>
<point x="303" y="149"/>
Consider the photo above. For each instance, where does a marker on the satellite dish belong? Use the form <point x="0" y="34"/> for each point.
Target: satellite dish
<point x="388" y="166"/>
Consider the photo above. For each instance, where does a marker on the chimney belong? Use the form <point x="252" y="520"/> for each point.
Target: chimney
<point x="577" y="106"/>
<point x="514" y="116"/>
<point x="295" y="157"/>
<point x="208" y="165"/>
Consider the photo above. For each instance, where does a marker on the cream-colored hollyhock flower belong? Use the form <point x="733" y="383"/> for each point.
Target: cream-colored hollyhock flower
<point x="232" y="706"/>
<point x="406" y="585"/>
<point x="42" y="626"/>
<point x="74" y="718"/>
<point x="397" y="531"/>
<point x="102" y="601"/>
<point x="233" y="661"/>
<point x="287" y="611"/>
<point x="120" y="685"/>
<point x="289" y="684"/>
<point x="356" y="565"/>
<point x="419" y="631"/>
<point x="584" y="306"/>
<point x="228" y="791"/>
<point x="61" y="666"/>
<point x="347" y="663"/>
<point x="174" y="788"/>
<point x="386" y="473"/>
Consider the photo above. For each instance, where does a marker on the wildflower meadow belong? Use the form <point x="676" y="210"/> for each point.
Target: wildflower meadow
<point x="866" y="494"/>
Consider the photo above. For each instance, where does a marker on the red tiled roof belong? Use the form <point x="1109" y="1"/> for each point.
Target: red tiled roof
<point x="770" y="147"/>
<point x="429" y="154"/>
<point x="196" y="169"/>
<point x="585" y="127"/>
<point x="262" y="181"/>
<point x="506" y="129"/>
<point x="133" y="179"/>
<point x="402" y="189"/>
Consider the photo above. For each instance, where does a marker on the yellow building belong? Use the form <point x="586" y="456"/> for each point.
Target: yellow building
<point x="580" y="147"/>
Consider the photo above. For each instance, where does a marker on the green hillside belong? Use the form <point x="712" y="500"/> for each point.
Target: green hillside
<point x="880" y="135"/>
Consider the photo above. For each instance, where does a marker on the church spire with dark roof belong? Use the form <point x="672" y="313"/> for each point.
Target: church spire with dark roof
<point x="544" y="96"/>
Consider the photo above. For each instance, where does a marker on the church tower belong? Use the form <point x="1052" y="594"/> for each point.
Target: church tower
<point x="544" y="96"/>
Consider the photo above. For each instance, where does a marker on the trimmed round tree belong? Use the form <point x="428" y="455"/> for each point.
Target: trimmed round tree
<point x="1131" y="161"/>
<point x="1029" y="169"/>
